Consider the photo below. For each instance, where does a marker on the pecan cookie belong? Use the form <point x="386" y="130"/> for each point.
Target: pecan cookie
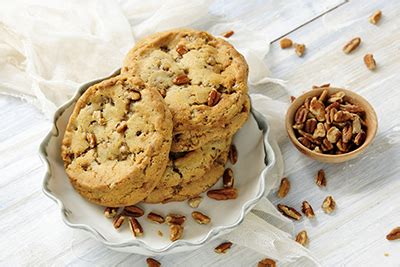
<point x="187" y="173"/>
<point x="203" y="79"/>
<point x="116" y="144"/>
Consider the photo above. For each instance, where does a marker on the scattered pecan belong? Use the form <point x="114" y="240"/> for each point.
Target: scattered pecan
<point x="227" y="178"/>
<point x="307" y="209"/>
<point x="328" y="205"/>
<point x="289" y="212"/>
<point x="175" y="219"/>
<point x="321" y="86"/>
<point x="152" y="262"/>
<point x="200" y="217"/>
<point x="195" y="202"/>
<point x="91" y="138"/>
<point x="110" y="212"/>
<point x="320" y="178"/>
<point x="181" y="49"/>
<point x="284" y="187"/>
<point x="176" y="232"/>
<point x="286" y="43"/>
<point x="370" y="61"/>
<point x="181" y="79"/>
<point x="118" y="221"/>
<point x="233" y="154"/>
<point x="292" y="98"/>
<point x="154" y="217"/>
<point x="133" y="211"/>
<point x="317" y="108"/>
<point x="352" y="45"/>
<point x="213" y="98"/>
<point x="310" y="125"/>
<point x="302" y="238"/>
<point x="299" y="49"/>
<point x="394" y="234"/>
<point x="228" y="34"/>
<point x="266" y="263"/>
<point x="135" y="227"/>
<point x="376" y="17"/>
<point x="223" y="194"/>
<point x="223" y="247"/>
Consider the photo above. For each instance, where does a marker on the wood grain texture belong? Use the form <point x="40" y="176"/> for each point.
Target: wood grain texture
<point x="366" y="189"/>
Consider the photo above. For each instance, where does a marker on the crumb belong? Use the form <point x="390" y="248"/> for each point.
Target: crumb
<point x="386" y="254"/>
<point x="160" y="233"/>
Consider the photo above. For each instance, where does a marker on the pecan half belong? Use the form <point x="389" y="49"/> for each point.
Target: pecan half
<point x="307" y="209"/>
<point x="181" y="50"/>
<point x="326" y="145"/>
<point x="152" y="262"/>
<point x="228" y="34"/>
<point x="359" y="138"/>
<point x="91" y="138"/>
<point x="175" y="219"/>
<point x="357" y="128"/>
<point x="133" y="211"/>
<point x="118" y="221"/>
<point x="200" y="217"/>
<point x="317" y="108"/>
<point x="223" y="194"/>
<point x="227" y="178"/>
<point x="319" y="131"/>
<point x="110" y="212"/>
<point x="337" y="97"/>
<point x="301" y="115"/>
<point x="333" y="134"/>
<point x="266" y="263"/>
<point x="323" y="96"/>
<point x="286" y="43"/>
<point x="352" y="45"/>
<point x="328" y="205"/>
<point x="351" y="108"/>
<point x="343" y="147"/>
<point x="181" y="79"/>
<point x="135" y="227"/>
<point x="320" y="178"/>
<point x="213" y="98"/>
<point x="299" y="49"/>
<point x="176" y="232"/>
<point x="370" y="61"/>
<point x="284" y="187"/>
<point x="342" y="116"/>
<point x="310" y="125"/>
<point x="195" y="202"/>
<point x="223" y="247"/>
<point x="289" y="212"/>
<point x="154" y="217"/>
<point x="394" y="234"/>
<point x="347" y="133"/>
<point x="305" y="142"/>
<point x="376" y="17"/>
<point x="233" y="154"/>
<point x="302" y="238"/>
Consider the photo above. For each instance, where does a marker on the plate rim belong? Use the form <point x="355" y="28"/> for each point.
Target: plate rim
<point x="270" y="161"/>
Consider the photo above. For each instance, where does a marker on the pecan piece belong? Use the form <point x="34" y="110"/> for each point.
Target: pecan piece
<point x="359" y="138"/>
<point x="156" y="218"/>
<point x="266" y="263"/>
<point x="307" y="102"/>
<point x="176" y="232"/>
<point x="298" y="126"/>
<point x="342" y="116"/>
<point x="301" y="115"/>
<point x="317" y="149"/>
<point x="213" y="98"/>
<point x="133" y="211"/>
<point x="323" y="96"/>
<point x="309" y="137"/>
<point x="175" y="219"/>
<point x="321" y="86"/>
<point x="181" y="79"/>
<point x="319" y="131"/>
<point x="326" y="145"/>
<point x="91" y="138"/>
<point x="317" y="108"/>
<point x="320" y="178"/>
<point x="289" y="212"/>
<point x="200" y="217"/>
<point x="307" y="209"/>
<point x="233" y="154"/>
<point x="352" y="45"/>
<point x="299" y="49"/>
<point x="343" y="147"/>
<point x="223" y="194"/>
<point x="181" y="49"/>
<point x="195" y="202"/>
<point x="223" y="247"/>
<point x="347" y="133"/>
<point x="110" y="212"/>
<point x="310" y="125"/>
<point x="118" y="221"/>
<point x="356" y="125"/>
<point x="135" y="227"/>
<point x="305" y="142"/>
<point x="351" y="108"/>
<point x="286" y="43"/>
<point x="227" y="178"/>
<point x="376" y="17"/>
<point x="292" y="98"/>
<point x="284" y="187"/>
<point x="152" y="262"/>
<point x="228" y="34"/>
<point x="302" y="238"/>
<point x="370" y="61"/>
<point x="394" y="234"/>
<point x="328" y="205"/>
<point x="333" y="134"/>
<point x="121" y="127"/>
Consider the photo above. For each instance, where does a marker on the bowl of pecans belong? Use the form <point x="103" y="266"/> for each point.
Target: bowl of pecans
<point x="331" y="124"/>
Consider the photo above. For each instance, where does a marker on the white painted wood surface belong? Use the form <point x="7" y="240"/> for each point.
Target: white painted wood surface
<point x="366" y="189"/>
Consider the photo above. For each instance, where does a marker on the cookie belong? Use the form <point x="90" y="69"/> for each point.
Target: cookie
<point x="117" y="141"/>
<point x="185" y="169"/>
<point x="203" y="79"/>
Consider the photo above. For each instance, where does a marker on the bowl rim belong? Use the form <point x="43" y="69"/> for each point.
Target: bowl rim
<point x="270" y="161"/>
<point x="316" y="91"/>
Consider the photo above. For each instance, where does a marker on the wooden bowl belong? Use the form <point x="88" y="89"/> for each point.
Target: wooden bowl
<point x="370" y="119"/>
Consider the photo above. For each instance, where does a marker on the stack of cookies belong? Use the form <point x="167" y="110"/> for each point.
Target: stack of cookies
<point x="161" y="130"/>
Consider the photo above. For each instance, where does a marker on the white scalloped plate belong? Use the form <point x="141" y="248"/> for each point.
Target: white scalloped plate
<point x="256" y="158"/>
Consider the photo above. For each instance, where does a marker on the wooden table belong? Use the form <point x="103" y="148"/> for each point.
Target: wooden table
<point x="366" y="189"/>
